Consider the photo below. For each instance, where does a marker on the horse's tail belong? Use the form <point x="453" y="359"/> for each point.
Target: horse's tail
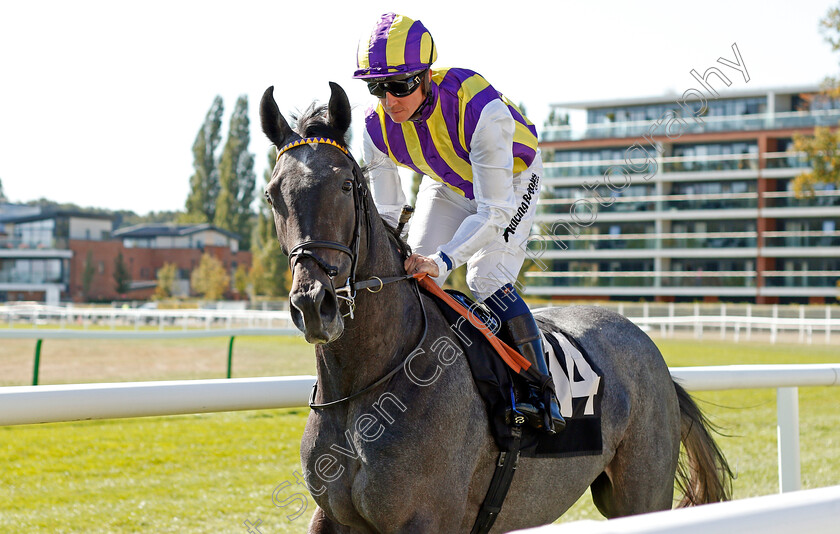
<point x="703" y="474"/>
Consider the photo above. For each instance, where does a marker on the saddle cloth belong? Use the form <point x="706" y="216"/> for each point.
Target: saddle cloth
<point x="578" y="383"/>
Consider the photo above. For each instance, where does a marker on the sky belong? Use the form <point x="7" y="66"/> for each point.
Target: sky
<point x="100" y="101"/>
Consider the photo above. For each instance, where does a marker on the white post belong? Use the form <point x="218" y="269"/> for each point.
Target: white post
<point x="787" y="408"/>
<point x="801" y="323"/>
<point x="749" y="321"/>
<point x="827" y="324"/>
<point x="698" y="324"/>
<point x="774" y="324"/>
<point x="671" y="307"/>
<point x="723" y="320"/>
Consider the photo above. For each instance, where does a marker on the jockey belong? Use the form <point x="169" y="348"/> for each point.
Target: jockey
<point x="482" y="171"/>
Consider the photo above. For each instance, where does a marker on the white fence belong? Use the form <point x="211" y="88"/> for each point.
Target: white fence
<point x="815" y="511"/>
<point x="71" y="317"/>
<point x="40" y="404"/>
<point x="76" y="402"/>
<point x="804" y="324"/>
<point x="740" y="321"/>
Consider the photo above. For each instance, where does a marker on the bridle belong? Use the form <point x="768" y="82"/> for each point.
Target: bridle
<point x="347" y="293"/>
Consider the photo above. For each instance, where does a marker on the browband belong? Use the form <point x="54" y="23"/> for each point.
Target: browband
<point x="311" y="141"/>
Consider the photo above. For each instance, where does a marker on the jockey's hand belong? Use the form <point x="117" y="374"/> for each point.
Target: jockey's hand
<point x="421" y="264"/>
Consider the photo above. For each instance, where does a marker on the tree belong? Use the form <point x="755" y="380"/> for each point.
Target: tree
<point x="270" y="267"/>
<point x="236" y="177"/>
<point x="122" y="276"/>
<point x="2" y="193"/>
<point x="240" y="280"/>
<point x="209" y="279"/>
<point x="166" y="276"/>
<point x="823" y="154"/>
<point x="416" y="179"/>
<point x="204" y="183"/>
<point x="88" y="272"/>
<point x="821" y="149"/>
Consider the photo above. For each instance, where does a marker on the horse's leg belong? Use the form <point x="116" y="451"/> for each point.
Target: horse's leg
<point x="321" y="524"/>
<point x="640" y="477"/>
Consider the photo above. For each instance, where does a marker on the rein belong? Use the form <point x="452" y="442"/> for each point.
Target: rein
<point x="303" y="250"/>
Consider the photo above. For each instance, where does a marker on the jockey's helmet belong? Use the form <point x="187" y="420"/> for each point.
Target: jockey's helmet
<point x="397" y="47"/>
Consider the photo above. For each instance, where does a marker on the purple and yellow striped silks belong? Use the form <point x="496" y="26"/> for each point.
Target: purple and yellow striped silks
<point x="396" y="45"/>
<point x="438" y="145"/>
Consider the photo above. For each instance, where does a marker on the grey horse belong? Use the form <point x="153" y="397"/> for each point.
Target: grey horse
<point x="401" y="441"/>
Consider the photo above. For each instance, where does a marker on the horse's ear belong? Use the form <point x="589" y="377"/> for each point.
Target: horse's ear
<point x="339" y="108"/>
<point x="274" y="125"/>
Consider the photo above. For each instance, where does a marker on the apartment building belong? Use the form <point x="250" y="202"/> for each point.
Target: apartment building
<point x="643" y="201"/>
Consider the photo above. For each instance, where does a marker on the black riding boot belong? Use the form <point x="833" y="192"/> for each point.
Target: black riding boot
<point x="525" y="334"/>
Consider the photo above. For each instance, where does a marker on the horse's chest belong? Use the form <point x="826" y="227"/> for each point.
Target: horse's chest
<point x="337" y="464"/>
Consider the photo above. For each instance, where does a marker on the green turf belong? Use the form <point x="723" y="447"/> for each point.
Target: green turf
<point x="211" y="473"/>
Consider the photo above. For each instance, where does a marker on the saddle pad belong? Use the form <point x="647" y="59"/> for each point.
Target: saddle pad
<point x="494" y="381"/>
<point x="579" y="386"/>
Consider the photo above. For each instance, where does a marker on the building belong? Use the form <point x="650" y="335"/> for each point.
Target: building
<point x="653" y="200"/>
<point x="44" y="254"/>
<point x="145" y="249"/>
<point x="35" y="251"/>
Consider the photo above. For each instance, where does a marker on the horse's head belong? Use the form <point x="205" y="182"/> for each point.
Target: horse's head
<point x="313" y="193"/>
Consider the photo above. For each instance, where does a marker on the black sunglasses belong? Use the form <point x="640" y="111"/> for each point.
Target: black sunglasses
<point x="398" y="88"/>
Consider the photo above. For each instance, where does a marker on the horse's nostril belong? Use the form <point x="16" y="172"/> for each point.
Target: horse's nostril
<point x="315" y="313"/>
<point x="329" y="306"/>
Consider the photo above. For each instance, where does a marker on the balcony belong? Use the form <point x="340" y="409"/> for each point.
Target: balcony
<point x="659" y="203"/>
<point x="28" y="244"/>
<point x="801" y="239"/>
<point x="794" y="161"/>
<point x="802" y="279"/>
<point x="699" y="240"/>
<point x="787" y="199"/>
<point x="763" y="121"/>
<point x="644" y="279"/>
<point x="682" y="279"/>
<point x="7" y="277"/>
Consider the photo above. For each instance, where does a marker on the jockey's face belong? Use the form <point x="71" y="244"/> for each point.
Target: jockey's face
<point x="401" y="108"/>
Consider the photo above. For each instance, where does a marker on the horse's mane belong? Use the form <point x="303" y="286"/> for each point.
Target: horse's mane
<point x="312" y="122"/>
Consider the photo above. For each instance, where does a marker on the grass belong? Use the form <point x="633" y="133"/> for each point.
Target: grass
<point x="211" y="473"/>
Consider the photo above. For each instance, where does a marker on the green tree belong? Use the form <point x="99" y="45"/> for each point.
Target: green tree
<point x="122" y="276"/>
<point x="240" y="280"/>
<point x="270" y="267"/>
<point x="416" y="178"/>
<point x="2" y="193"/>
<point x="209" y="279"/>
<point x="821" y="149"/>
<point x="88" y="272"/>
<point x="204" y="183"/>
<point x="166" y="276"/>
<point x="236" y="177"/>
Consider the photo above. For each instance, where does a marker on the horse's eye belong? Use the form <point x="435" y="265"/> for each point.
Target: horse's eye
<point x="268" y="198"/>
<point x="347" y="185"/>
